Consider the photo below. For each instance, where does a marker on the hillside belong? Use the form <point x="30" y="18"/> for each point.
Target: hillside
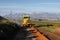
<point x="7" y="29"/>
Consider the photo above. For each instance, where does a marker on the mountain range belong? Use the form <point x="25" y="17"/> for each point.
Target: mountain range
<point x="43" y="15"/>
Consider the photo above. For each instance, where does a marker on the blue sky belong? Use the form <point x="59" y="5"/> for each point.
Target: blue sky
<point x="29" y="6"/>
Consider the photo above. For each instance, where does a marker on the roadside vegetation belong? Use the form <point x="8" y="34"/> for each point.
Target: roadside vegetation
<point x="49" y="26"/>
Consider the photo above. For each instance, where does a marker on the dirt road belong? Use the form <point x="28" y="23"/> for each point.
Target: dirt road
<point x="30" y="33"/>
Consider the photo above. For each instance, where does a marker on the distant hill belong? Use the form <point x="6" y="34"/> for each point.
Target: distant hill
<point x="2" y="18"/>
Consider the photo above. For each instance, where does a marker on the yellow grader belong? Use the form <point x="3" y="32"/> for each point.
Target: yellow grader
<point x="26" y="20"/>
<point x="32" y="32"/>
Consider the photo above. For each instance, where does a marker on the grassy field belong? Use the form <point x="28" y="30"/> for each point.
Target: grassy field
<point x="47" y="25"/>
